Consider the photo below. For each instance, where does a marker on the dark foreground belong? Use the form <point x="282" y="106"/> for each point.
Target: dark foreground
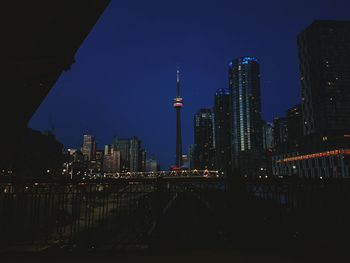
<point x="178" y="221"/>
<point x="266" y="255"/>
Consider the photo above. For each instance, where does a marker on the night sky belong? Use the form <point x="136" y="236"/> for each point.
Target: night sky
<point x="124" y="78"/>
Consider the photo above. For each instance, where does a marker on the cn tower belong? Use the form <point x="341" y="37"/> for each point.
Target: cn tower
<point x="177" y="103"/>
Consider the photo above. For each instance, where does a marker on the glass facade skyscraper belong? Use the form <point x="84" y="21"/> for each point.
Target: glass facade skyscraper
<point x="244" y="84"/>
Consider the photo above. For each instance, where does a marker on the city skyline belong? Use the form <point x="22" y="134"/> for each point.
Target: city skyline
<point x="153" y="88"/>
<point x="185" y="132"/>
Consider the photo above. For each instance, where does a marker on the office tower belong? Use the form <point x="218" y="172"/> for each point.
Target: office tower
<point x="123" y="145"/>
<point x="244" y="83"/>
<point x="294" y="127"/>
<point x="223" y="130"/>
<point x="204" y="139"/>
<point x="111" y="159"/>
<point x="324" y="57"/>
<point x="178" y="104"/>
<point x="267" y="136"/>
<point x="89" y="147"/>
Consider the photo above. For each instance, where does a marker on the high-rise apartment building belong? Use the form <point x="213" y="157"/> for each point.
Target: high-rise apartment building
<point x="324" y="59"/>
<point x="223" y="130"/>
<point x="324" y="56"/>
<point x="204" y="139"/>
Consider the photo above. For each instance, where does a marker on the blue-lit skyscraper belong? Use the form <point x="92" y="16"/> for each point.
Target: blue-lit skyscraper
<point x="244" y="84"/>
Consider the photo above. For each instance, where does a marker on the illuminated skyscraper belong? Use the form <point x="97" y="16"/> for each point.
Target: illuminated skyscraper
<point x="178" y="104"/>
<point x="244" y="83"/>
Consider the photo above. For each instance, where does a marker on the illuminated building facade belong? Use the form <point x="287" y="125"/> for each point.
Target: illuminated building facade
<point x="244" y="84"/>
<point x="328" y="164"/>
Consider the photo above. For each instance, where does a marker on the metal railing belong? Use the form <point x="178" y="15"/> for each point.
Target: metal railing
<point x="117" y="213"/>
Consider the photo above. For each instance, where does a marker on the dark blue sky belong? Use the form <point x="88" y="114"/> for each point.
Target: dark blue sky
<point x="123" y="81"/>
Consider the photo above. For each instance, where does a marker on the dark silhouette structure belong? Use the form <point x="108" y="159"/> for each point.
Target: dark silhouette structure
<point x="324" y="53"/>
<point x="223" y="130"/>
<point x="41" y="40"/>
<point x="178" y="104"/>
<point x="204" y="139"/>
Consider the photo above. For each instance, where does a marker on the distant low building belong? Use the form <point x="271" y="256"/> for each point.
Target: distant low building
<point x="267" y="136"/>
<point x="151" y="165"/>
<point x="280" y="134"/>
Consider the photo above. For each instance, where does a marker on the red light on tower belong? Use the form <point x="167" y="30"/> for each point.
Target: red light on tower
<point x="178" y="102"/>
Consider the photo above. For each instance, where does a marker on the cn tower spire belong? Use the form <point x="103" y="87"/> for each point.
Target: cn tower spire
<point x="177" y="103"/>
<point x="178" y="82"/>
